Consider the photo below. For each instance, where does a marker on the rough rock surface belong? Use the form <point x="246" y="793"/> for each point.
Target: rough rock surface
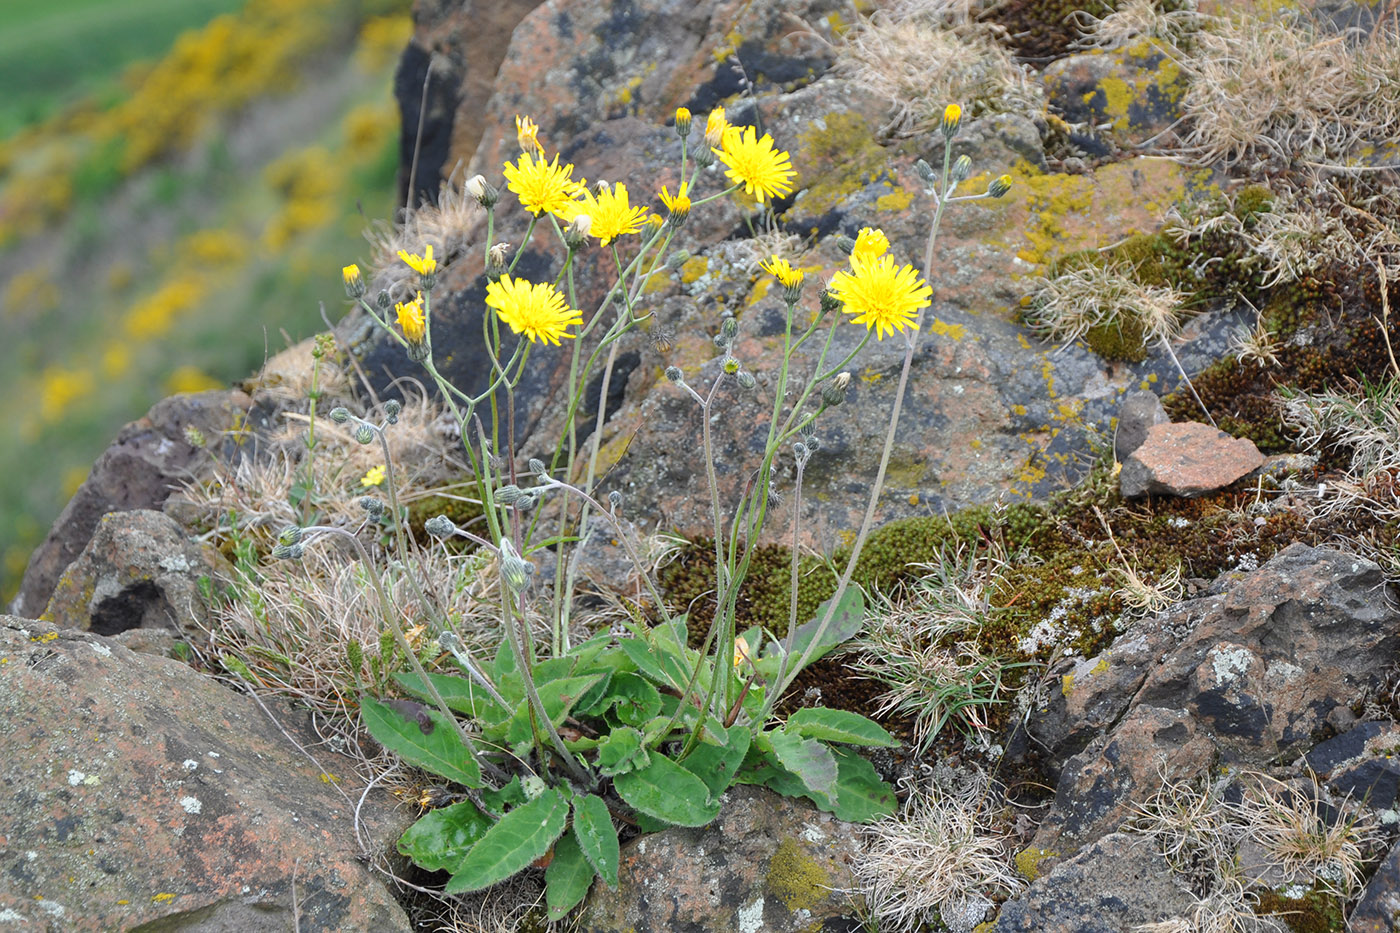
<point x="134" y="790"/>
<point x="1140" y="411"/>
<point x="1361" y="763"/>
<point x="1135" y="91"/>
<point x="1109" y="887"/>
<point x="148" y="459"/>
<point x="1248" y="675"/>
<point x="768" y="863"/>
<point x="1187" y="459"/>
<point x="1379" y="905"/>
<point x="138" y="571"/>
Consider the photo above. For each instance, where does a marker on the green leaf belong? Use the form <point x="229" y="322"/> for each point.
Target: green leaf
<point x="666" y="791"/>
<point x="441" y="838"/>
<point x="845" y="625"/>
<point x="558" y="698"/>
<point x="459" y="693"/>
<point x="637" y="700"/>
<point x="516" y="840"/>
<point x="498" y="801"/>
<point x="861" y="797"/>
<point x="838" y="725"/>
<point x="810" y="760"/>
<point x="567" y="879"/>
<point x="438" y="750"/>
<point x="656" y="664"/>
<point x="593" y="827"/>
<point x="716" y="764"/>
<point x="621" y="750"/>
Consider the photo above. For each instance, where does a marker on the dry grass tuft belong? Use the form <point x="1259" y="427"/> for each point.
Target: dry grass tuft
<point x="922" y="55"/>
<point x="946" y="852"/>
<point x="1136" y="21"/>
<point x="1067" y="306"/>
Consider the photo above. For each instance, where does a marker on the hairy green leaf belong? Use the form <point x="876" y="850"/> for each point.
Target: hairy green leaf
<point x="516" y="840"/>
<point x="845" y="625"/>
<point x="558" y="698"/>
<point x="621" y="750"/>
<point x="568" y="877"/>
<point x="593" y="827"/>
<point x="666" y="791"/>
<point x="440" y="839"/>
<point x="811" y="761"/>
<point x="438" y="749"/>
<point x="636" y="700"/>
<point x="838" y="725"/>
<point x="459" y="693"/>
<point x="716" y="764"/>
<point x="861" y="797"/>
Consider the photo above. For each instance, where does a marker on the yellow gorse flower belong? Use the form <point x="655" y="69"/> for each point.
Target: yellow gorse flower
<point x="543" y="187"/>
<point x="870" y="244"/>
<point x="610" y="212"/>
<point x="679" y="206"/>
<point x="754" y="163"/>
<point x="527" y="135"/>
<point x="883" y="297"/>
<point x="782" y="271"/>
<point x="537" y="311"/>
<point x="423" y="265"/>
<point x="411" y="319"/>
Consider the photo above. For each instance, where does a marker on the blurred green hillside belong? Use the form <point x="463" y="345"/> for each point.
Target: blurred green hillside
<point x="180" y="183"/>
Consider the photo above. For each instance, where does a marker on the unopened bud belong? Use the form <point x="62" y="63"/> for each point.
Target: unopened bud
<point x="999" y="186"/>
<point x="576" y="233"/>
<point x="814" y="443"/>
<point x="527" y="501"/>
<point x="439" y="526"/>
<point x="289" y="535"/>
<point x="961" y="168"/>
<point x="682" y="122"/>
<point x="846" y="245"/>
<point x="364" y="434"/>
<point x="288" y="551"/>
<point x="371" y="505"/>
<point x="829" y="301"/>
<point x="952" y="119"/>
<point x="537" y="466"/>
<point x="383" y="300"/>
<point x="834" y="392"/>
<point x="925" y="171"/>
<point x="509" y="495"/>
<point x="340" y="415"/>
<point x="674" y="374"/>
<point x="677" y="259"/>
<point x="800" y="452"/>
<point x="615" y="500"/>
<point x="354" y="282"/>
<point x="515" y="572"/>
<point x="496" y="261"/>
<point x="392" y="409"/>
<point x="483" y="191"/>
<point x="746" y="380"/>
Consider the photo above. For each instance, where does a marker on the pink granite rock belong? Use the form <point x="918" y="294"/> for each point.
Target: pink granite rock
<point x="1188" y="459"/>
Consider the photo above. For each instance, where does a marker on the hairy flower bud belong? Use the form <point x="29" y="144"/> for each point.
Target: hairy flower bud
<point x="383" y="301"/>
<point x="674" y="374"/>
<point x="682" y="122"/>
<point x="364" y="434"/>
<point x="829" y="301"/>
<point x="746" y="380"/>
<point x="576" y="233"/>
<point x="615" y="500"/>
<point x="926" y="172"/>
<point x="496" y="261"/>
<point x="952" y="119"/>
<point x="537" y="466"/>
<point x="372" y="505"/>
<point x="439" y="526"/>
<point x="677" y="259"/>
<point x="527" y="501"/>
<point x="999" y="186"/>
<point x="729" y="327"/>
<point x="392" y="408"/>
<point x="961" y="168"/>
<point x="483" y="191"/>
<point x="354" y="283"/>
<point x="846" y="245"/>
<point x="288" y="551"/>
<point x="834" y="392"/>
<point x="509" y="495"/>
<point x="289" y="535"/>
<point x="731" y="365"/>
<point x="515" y="572"/>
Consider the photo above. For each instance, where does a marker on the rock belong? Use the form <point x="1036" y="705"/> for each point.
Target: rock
<point x="140" y="793"/>
<point x="1361" y="763"/>
<point x="147" y="461"/>
<point x="138" y="571"/>
<point x="1379" y="905"/>
<point x="768" y="863"/>
<point x="1111" y="886"/>
<point x="1187" y="459"/>
<point x="1139" y="412"/>
<point x="1136" y="91"/>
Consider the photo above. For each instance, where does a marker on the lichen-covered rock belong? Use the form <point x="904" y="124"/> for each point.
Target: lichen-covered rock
<point x="146" y="462"/>
<point x="138" y="571"/>
<point x="1379" y="905"/>
<point x="1361" y="763"/>
<point x="768" y="863"/>
<point x="138" y="791"/>
<point x="1187" y="459"/>
<point x="1136" y="91"/>
<point x="1109" y="887"/>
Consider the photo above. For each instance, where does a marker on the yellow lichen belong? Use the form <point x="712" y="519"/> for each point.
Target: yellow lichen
<point x="694" y="268"/>
<point x="1028" y="861"/>
<point x="796" y="878"/>
<point x="894" y="201"/>
<point x="951" y="331"/>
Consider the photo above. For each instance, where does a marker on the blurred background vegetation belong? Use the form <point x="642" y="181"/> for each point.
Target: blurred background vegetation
<point x="180" y="184"/>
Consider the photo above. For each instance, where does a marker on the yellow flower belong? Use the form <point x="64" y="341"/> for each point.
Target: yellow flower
<point x="610" y="212"/>
<point x="883" y="298"/>
<point x="537" y="311"/>
<point x="782" y="271"/>
<point x="679" y="206"/>
<point x="354" y="284"/>
<point x="527" y="135"/>
<point x="741" y="652"/>
<point x="682" y="122"/>
<point x="543" y="186"/>
<point x="755" y="164"/>
<point x="423" y="265"/>
<point x="871" y="243"/>
<point x="373" y="477"/>
<point x="952" y="119"/>
<point x="411" y="320"/>
<point x="715" y="126"/>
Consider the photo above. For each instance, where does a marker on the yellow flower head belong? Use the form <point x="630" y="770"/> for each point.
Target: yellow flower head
<point x="373" y="477"/>
<point x="871" y="243"/>
<point x="682" y="122"/>
<point x="610" y="212"/>
<point x="782" y="271"/>
<point x="883" y="298"/>
<point x="952" y="119"/>
<point x="679" y="206"/>
<point x="537" y="311"/>
<point x="423" y="265"/>
<point x="527" y="135"/>
<point x="715" y="127"/>
<point x="755" y="164"/>
<point x="411" y="319"/>
<point x="741" y="652"/>
<point x="354" y="284"/>
<point x="543" y="186"/>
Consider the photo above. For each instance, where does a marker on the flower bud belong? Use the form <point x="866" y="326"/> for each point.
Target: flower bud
<point x="289" y="535"/>
<point x="999" y="186"/>
<point x="354" y="284"/>
<point x="383" y="301"/>
<point x="509" y="495"/>
<point x="746" y="379"/>
<point x="576" y="233"/>
<point x="834" y="392"/>
<point x="814" y="443"/>
<point x="952" y="119"/>
<point x="926" y="172"/>
<point x="729" y="327"/>
<point x="961" y="168"/>
<point x="288" y="551"/>
<point x="537" y="466"/>
<point x="800" y="453"/>
<point x="340" y="415"/>
<point x="682" y="122"/>
<point x="615" y="500"/>
<point x="483" y="191"/>
<point x="364" y="434"/>
<point x="515" y="572"/>
<point x="674" y="374"/>
<point x="392" y="409"/>
<point x="829" y="301"/>
<point x="496" y="261"/>
<point x="527" y="501"/>
<point x="371" y="504"/>
<point x="677" y="259"/>
<point x="731" y="365"/>
<point x="439" y="526"/>
<point x="846" y="245"/>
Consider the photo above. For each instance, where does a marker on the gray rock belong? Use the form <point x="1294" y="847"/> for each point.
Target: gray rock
<point x="1140" y="411"/>
<point x="1136" y="93"/>
<point x="1187" y="459"/>
<point x="1379" y="906"/>
<point x="768" y="863"/>
<point x="140" y="793"/>
<point x="138" y="571"/>
<point x="1362" y="763"/>
<point x="1109" y="887"/>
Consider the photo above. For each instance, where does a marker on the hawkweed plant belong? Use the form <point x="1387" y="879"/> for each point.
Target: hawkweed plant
<point x="559" y="737"/>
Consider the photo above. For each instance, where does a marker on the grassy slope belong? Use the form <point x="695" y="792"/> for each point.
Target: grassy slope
<point x="264" y="252"/>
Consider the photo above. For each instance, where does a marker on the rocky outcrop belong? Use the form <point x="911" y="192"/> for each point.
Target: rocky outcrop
<point x="137" y="791"/>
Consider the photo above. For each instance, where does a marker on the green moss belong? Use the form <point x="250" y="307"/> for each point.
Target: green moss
<point x="796" y="878"/>
<point x="1315" y="912"/>
<point x="1028" y="862"/>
